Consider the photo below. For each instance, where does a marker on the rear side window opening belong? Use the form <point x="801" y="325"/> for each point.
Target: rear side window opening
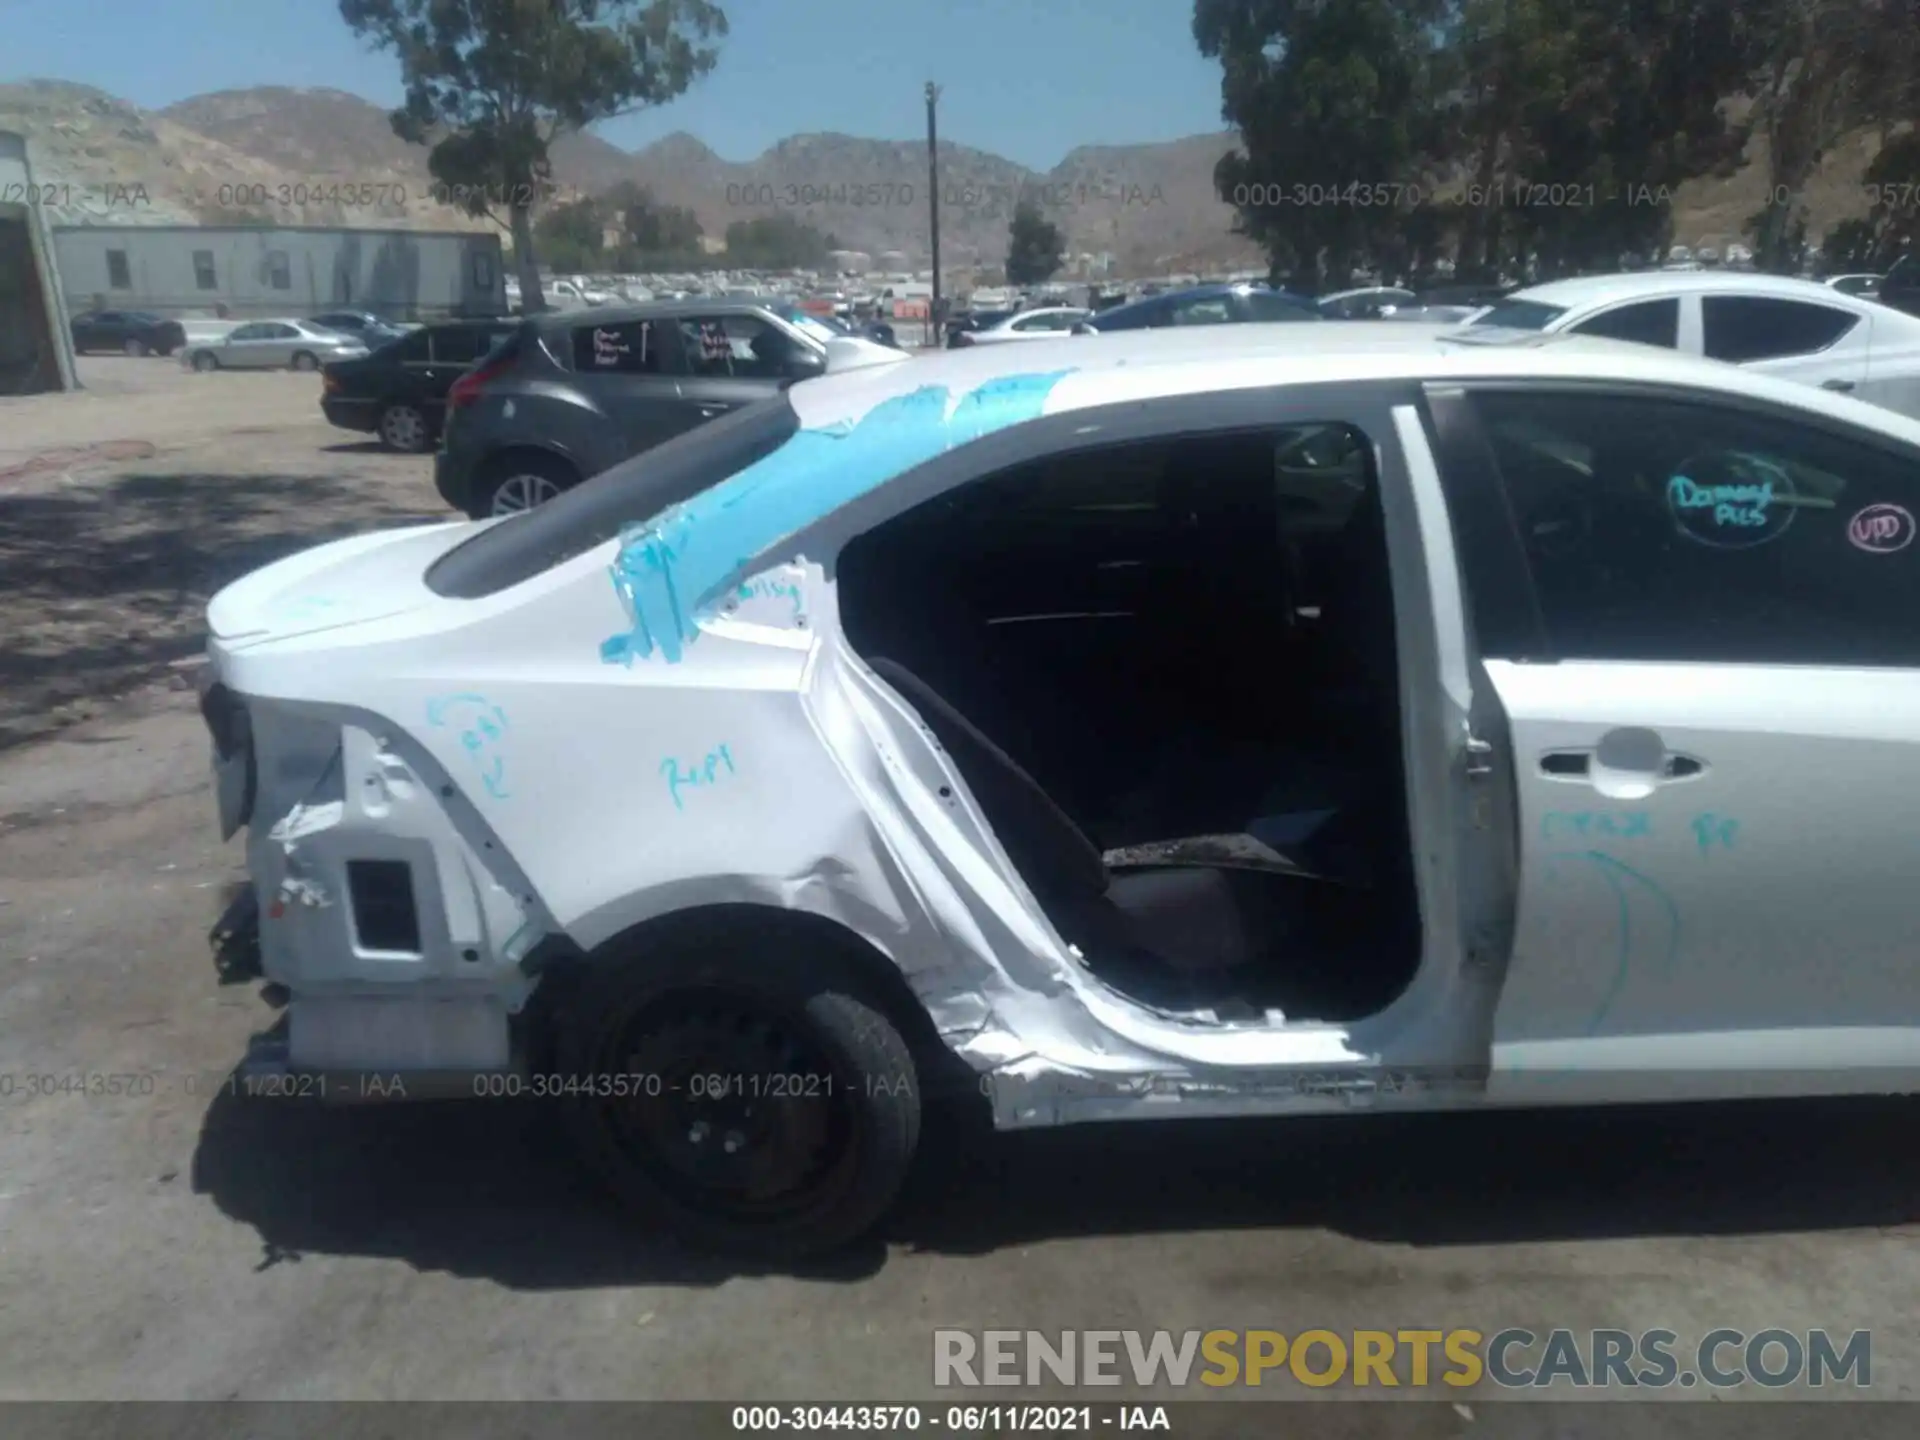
<point x="515" y="550"/>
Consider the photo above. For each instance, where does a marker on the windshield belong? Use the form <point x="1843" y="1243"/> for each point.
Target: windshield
<point x="1521" y="315"/>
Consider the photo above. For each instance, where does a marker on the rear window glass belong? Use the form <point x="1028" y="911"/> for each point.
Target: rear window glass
<point x="1521" y="315"/>
<point x="631" y="347"/>
<point x="525" y="545"/>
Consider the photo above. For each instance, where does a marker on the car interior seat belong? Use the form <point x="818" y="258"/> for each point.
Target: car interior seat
<point x="1180" y="932"/>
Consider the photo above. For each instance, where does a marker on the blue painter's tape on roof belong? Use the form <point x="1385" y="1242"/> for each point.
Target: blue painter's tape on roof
<point x="672" y="567"/>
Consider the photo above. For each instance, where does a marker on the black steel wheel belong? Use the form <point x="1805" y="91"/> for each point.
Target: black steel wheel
<point x="751" y="1116"/>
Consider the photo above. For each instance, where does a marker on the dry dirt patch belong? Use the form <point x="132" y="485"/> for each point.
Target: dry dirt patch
<point x="123" y="509"/>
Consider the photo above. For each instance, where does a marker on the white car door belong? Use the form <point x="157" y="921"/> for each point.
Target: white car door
<point x="1697" y="617"/>
<point x="1805" y="341"/>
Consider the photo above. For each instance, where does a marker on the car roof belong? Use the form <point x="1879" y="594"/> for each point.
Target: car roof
<point x="1588" y="290"/>
<point x="1046" y="310"/>
<point x="1198" y="292"/>
<point x="653" y="310"/>
<point x="1133" y="365"/>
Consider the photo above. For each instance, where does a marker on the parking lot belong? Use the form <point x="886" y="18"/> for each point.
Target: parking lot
<point x="172" y="1241"/>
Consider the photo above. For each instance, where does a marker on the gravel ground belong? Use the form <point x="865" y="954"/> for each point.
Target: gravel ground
<point x="172" y="1242"/>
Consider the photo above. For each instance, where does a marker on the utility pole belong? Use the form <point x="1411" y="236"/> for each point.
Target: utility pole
<point x="933" y="210"/>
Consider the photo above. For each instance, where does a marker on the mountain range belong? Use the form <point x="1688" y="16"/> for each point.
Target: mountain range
<point x="326" y="157"/>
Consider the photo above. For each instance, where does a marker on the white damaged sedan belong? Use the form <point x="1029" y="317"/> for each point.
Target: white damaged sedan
<point x="1266" y="720"/>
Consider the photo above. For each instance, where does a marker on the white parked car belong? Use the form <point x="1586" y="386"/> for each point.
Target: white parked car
<point x="573" y="295"/>
<point x="1867" y="285"/>
<point x="1249" y="720"/>
<point x="1794" y="329"/>
<point x="1373" y="302"/>
<point x="1047" y="323"/>
<point x="272" y="345"/>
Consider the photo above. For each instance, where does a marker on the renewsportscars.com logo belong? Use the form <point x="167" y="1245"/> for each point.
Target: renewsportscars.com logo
<point x="1513" y="1358"/>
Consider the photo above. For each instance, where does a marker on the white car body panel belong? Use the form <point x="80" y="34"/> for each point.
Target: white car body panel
<point x="571" y="758"/>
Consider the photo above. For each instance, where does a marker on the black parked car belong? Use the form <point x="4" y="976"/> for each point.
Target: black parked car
<point x="571" y="393"/>
<point x="399" y="392"/>
<point x="136" y="332"/>
<point x="363" y="325"/>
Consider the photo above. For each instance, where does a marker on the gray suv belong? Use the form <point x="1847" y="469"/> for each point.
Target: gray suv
<point x="575" y="392"/>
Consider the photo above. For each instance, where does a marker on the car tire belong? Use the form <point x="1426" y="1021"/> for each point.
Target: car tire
<point x="405" y="428"/>
<point x="812" y="1144"/>
<point x="206" y="361"/>
<point x="136" y="348"/>
<point x="520" y="481"/>
<point x="303" y="360"/>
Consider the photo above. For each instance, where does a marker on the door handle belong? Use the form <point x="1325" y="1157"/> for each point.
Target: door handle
<point x="1845" y="387"/>
<point x="1627" y="764"/>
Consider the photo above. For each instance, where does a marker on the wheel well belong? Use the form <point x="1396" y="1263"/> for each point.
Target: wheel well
<point x="876" y="978"/>
<point x="496" y="464"/>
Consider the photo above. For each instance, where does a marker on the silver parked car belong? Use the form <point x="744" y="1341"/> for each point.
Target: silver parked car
<point x="273" y="345"/>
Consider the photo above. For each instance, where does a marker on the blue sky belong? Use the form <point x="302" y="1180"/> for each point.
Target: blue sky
<point x="1027" y="79"/>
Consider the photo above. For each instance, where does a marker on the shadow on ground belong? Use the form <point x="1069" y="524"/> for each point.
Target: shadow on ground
<point x="104" y="584"/>
<point x="487" y="1188"/>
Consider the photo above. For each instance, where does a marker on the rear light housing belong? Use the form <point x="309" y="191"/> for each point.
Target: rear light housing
<point x="467" y="388"/>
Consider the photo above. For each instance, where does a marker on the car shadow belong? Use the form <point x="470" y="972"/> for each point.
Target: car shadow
<point x="358" y="447"/>
<point x="104" y="585"/>
<point x="488" y="1188"/>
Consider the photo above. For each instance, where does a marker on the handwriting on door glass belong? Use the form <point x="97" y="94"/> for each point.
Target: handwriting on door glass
<point x="1596" y="824"/>
<point x="1731" y="500"/>
<point x="1711" y="830"/>
<point x="1881" y="529"/>
<point x="715" y="766"/>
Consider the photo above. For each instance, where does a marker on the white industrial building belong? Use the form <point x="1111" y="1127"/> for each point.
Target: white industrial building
<point x="243" y="271"/>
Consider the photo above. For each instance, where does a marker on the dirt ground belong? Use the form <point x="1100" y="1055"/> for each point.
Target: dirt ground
<point x="170" y="1241"/>
<point x="123" y="507"/>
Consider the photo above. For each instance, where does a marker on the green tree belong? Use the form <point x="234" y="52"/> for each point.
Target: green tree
<point x="572" y="235"/>
<point x="1891" y="227"/>
<point x="777" y="242"/>
<point x="1614" y="109"/>
<point x="491" y="83"/>
<point x="651" y="228"/>
<point x="1334" y="104"/>
<point x="1822" y="69"/>
<point x="1035" y="248"/>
